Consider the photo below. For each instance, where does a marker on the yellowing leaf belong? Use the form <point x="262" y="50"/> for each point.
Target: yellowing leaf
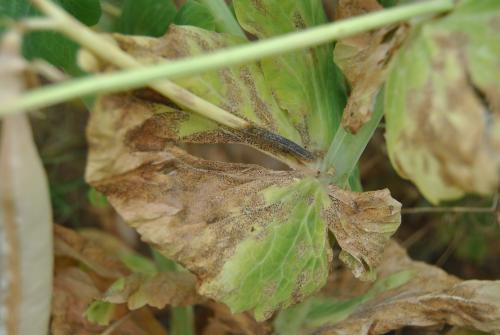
<point x="442" y="107"/>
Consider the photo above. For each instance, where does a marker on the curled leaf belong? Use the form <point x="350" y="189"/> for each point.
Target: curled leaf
<point x="364" y="60"/>
<point x="158" y="290"/>
<point x="442" y="106"/>
<point x="431" y="297"/>
<point x="363" y="223"/>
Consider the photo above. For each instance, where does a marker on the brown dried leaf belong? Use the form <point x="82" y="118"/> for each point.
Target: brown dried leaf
<point x="68" y="243"/>
<point x="227" y="323"/>
<point x="363" y="59"/>
<point x="159" y="290"/>
<point x="431" y="297"/>
<point x="74" y="290"/>
<point x="363" y="224"/>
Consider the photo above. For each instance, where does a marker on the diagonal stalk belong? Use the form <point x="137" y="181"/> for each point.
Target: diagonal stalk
<point x="114" y="55"/>
<point x="142" y="76"/>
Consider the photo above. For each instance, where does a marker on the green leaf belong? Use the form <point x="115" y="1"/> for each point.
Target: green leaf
<point x="303" y="82"/>
<point x="285" y="261"/>
<point x="87" y="12"/>
<point x="52" y="46"/>
<point x="194" y="13"/>
<point x="225" y="21"/>
<point x="100" y="312"/>
<point x="146" y="17"/>
<point x="441" y="104"/>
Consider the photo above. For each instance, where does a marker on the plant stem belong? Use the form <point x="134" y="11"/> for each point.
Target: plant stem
<point x="346" y="148"/>
<point x="142" y="76"/>
<point x="224" y="19"/>
<point x="114" y="55"/>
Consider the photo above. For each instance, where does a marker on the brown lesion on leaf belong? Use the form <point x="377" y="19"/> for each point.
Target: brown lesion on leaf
<point x="362" y="224"/>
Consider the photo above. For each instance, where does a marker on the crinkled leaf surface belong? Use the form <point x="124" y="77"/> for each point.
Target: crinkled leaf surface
<point x="364" y="59"/>
<point x="157" y="290"/>
<point x="305" y="83"/>
<point x="431" y="297"/>
<point x="256" y="239"/>
<point x="442" y="104"/>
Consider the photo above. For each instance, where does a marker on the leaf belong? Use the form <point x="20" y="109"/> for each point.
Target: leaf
<point x="363" y="59"/>
<point x="157" y="290"/>
<point x="70" y="244"/>
<point x="146" y="17"/>
<point x="87" y="12"/>
<point x="26" y="253"/>
<point x="74" y="291"/>
<point x="225" y="322"/>
<point x="363" y="224"/>
<point x="241" y="90"/>
<point x="53" y="46"/>
<point x="317" y="312"/>
<point x="306" y="83"/>
<point x="194" y="13"/>
<point x="431" y="297"/>
<point x="442" y="107"/>
<point x="256" y="239"/>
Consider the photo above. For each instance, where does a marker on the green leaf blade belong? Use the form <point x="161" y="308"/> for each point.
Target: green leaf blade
<point x="305" y="83"/>
<point x="282" y="263"/>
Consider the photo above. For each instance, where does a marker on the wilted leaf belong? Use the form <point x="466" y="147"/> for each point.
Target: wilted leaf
<point x="363" y="223"/>
<point x="225" y="322"/>
<point x="317" y="312"/>
<point x="305" y="83"/>
<point x="364" y="59"/>
<point x="431" y="297"/>
<point x="74" y="291"/>
<point x="26" y="252"/>
<point x="256" y="239"/>
<point x="157" y="290"/>
<point x="68" y="243"/>
<point x="442" y="104"/>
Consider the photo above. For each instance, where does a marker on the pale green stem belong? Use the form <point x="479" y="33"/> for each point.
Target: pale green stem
<point x="346" y="148"/>
<point x="110" y="52"/>
<point x="225" y="21"/>
<point x="144" y="75"/>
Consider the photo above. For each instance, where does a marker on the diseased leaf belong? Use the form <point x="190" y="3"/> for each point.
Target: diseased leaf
<point x="246" y="232"/>
<point x="68" y="243"/>
<point x="256" y="239"/>
<point x="363" y="59"/>
<point x="74" y="291"/>
<point x="157" y="290"/>
<point x="225" y="322"/>
<point x="306" y="83"/>
<point x="431" y="297"/>
<point x="316" y="312"/>
<point x="363" y="224"/>
<point x="442" y="104"/>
